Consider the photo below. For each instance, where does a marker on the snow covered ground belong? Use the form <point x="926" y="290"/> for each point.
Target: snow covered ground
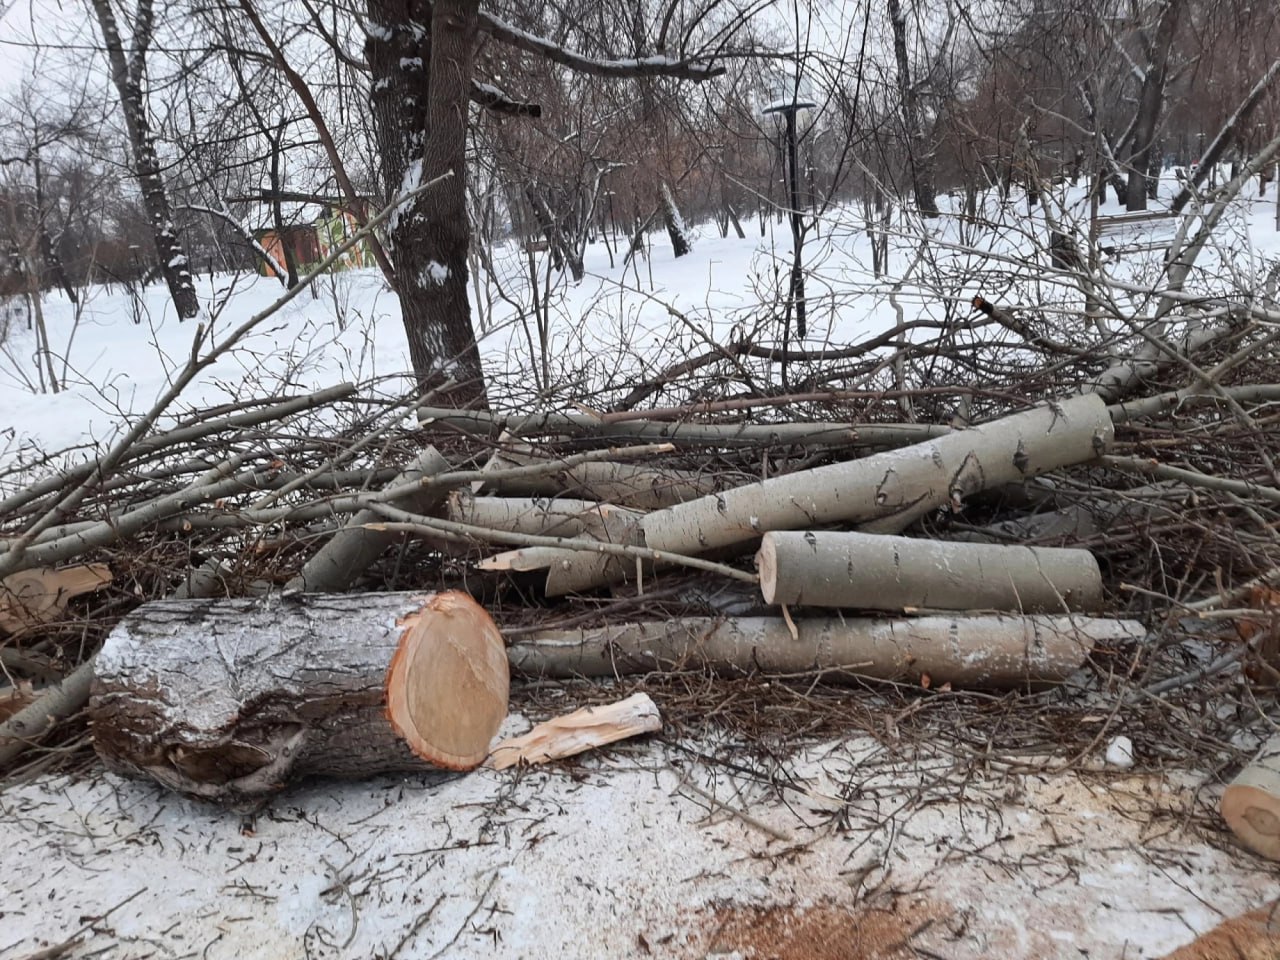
<point x="617" y="856"/>
<point x="624" y="855"/>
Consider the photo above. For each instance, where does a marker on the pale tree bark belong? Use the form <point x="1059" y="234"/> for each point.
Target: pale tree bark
<point x="127" y="76"/>
<point x="1151" y="104"/>
<point x="919" y="153"/>
<point x="422" y="88"/>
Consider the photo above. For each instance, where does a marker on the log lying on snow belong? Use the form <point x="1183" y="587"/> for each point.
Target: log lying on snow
<point x="873" y="572"/>
<point x="1251" y="803"/>
<point x="231" y="699"/>
<point x="981" y="651"/>
<point x="885" y="492"/>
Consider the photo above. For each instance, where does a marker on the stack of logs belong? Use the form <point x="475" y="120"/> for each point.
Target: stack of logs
<point x="229" y="699"/>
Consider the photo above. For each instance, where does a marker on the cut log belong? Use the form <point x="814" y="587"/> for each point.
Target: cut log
<point x="1251" y="803"/>
<point x="885" y="492"/>
<point x="352" y="549"/>
<point x="870" y="572"/>
<point x="982" y="651"/>
<point x="625" y="484"/>
<point x="567" y="517"/>
<point x="231" y="699"/>
<point x="579" y="731"/>
<point x="32" y="597"/>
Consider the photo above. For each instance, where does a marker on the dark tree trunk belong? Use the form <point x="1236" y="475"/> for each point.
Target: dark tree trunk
<point x="919" y="154"/>
<point x="422" y="85"/>
<point x="676" y="229"/>
<point x="127" y="78"/>
<point x="1150" y="105"/>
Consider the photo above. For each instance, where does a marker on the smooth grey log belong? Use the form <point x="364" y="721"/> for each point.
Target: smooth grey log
<point x="351" y="550"/>
<point x="870" y="572"/>
<point x="883" y="493"/>
<point x="992" y="650"/>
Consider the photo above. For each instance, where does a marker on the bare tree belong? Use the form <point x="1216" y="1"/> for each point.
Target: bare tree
<point x="128" y="75"/>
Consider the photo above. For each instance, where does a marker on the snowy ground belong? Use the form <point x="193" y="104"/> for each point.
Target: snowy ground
<point x="617" y="856"/>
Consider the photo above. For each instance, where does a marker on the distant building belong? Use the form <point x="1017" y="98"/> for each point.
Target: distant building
<point x="311" y="232"/>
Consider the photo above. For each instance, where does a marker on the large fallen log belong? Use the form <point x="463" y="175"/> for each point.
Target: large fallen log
<point x="1251" y="802"/>
<point x="871" y="572"/>
<point x="884" y="493"/>
<point x="980" y="651"/>
<point x="231" y="699"/>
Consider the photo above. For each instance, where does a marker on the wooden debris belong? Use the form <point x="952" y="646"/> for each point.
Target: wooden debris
<point x="871" y="572"/>
<point x="1251" y="802"/>
<point x="229" y="700"/>
<point x="978" y="651"/>
<point x="1250" y="936"/>
<point x="579" y="731"/>
<point x="884" y="493"/>
<point x="32" y="597"/>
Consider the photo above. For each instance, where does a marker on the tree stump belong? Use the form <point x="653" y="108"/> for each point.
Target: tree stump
<point x="230" y="700"/>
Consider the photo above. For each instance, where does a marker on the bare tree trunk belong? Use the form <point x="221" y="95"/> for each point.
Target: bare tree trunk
<point x="127" y="77"/>
<point x="1150" y="105"/>
<point x="919" y="154"/>
<point x="422" y="85"/>
<point x="676" y="229"/>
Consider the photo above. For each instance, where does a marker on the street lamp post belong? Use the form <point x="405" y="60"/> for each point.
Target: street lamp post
<point x="788" y="108"/>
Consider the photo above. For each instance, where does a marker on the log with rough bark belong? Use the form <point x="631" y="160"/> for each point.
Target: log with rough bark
<point x="884" y="493"/>
<point x="352" y="549"/>
<point x="981" y="651"/>
<point x="230" y="700"/>
<point x="872" y="572"/>
<point x="1251" y="803"/>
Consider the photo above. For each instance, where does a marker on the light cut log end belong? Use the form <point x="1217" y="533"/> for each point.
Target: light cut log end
<point x="767" y="567"/>
<point x="448" y="682"/>
<point x="1251" y="804"/>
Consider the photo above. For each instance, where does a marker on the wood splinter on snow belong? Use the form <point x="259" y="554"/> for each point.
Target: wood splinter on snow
<point x="1251" y="803"/>
<point x="579" y="731"/>
<point x="230" y="700"/>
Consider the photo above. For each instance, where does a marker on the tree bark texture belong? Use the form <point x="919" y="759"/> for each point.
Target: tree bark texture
<point x="884" y="493"/>
<point x="869" y="572"/>
<point x="1151" y="104"/>
<point x="919" y="153"/>
<point x="127" y="76"/>
<point x="231" y="699"/>
<point x="981" y="651"/>
<point x="421" y="95"/>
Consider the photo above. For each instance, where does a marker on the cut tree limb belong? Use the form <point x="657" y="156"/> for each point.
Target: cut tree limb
<point x="979" y="651"/>
<point x="231" y="699"/>
<point x="884" y="493"/>
<point x="1251" y="803"/>
<point x="561" y="517"/>
<point x="353" y="548"/>
<point x="624" y="484"/>
<point x="870" y="572"/>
